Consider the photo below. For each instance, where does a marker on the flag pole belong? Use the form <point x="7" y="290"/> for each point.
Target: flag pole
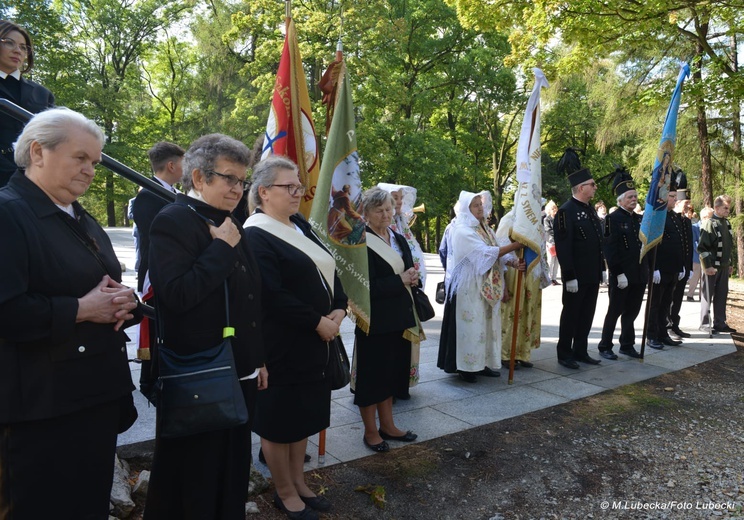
<point x="515" y="326"/>
<point x="651" y="268"/>
<point x="288" y="8"/>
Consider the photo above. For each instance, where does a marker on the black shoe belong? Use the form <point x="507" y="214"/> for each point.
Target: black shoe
<point x="305" y="514"/>
<point x="555" y="282"/>
<point x="725" y="328"/>
<point x="589" y="360"/>
<point x="409" y="436"/>
<point x="382" y="447"/>
<point x="671" y="342"/>
<point x="318" y="503"/>
<point x="690" y="299"/>
<point x="568" y="363"/>
<point x="608" y="354"/>
<point x="262" y="459"/>
<point x="679" y="332"/>
<point x="468" y="377"/>
<point x="488" y="372"/>
<point x="526" y="364"/>
<point x="505" y="364"/>
<point x="631" y="352"/>
<point x="655" y="344"/>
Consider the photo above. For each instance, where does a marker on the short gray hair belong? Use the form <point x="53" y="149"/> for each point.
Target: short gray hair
<point x="264" y="175"/>
<point x="205" y="151"/>
<point x="374" y="198"/>
<point x="51" y="128"/>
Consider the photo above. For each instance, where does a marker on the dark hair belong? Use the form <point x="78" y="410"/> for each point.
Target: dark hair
<point x="6" y="28"/>
<point x="162" y="153"/>
<point x="204" y="152"/>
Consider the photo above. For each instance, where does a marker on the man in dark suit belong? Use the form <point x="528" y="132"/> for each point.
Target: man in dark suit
<point x="628" y="277"/>
<point x="670" y="268"/>
<point x="680" y="214"/>
<point x="16" y="58"/>
<point x="165" y="159"/>
<point x="578" y="244"/>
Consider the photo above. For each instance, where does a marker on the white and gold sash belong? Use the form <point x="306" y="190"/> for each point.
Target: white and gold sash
<point x="321" y="258"/>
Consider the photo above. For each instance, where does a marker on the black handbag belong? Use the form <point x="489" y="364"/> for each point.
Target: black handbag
<point x="441" y="295"/>
<point x="198" y="392"/>
<point x="423" y="306"/>
<point x="338" y="370"/>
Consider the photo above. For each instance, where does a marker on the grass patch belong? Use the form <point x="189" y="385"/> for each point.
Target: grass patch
<point x="620" y="401"/>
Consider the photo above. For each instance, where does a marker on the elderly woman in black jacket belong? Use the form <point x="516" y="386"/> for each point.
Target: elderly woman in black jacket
<point x="65" y="385"/>
<point x="303" y="304"/>
<point x="195" y="247"/>
<point x="383" y="357"/>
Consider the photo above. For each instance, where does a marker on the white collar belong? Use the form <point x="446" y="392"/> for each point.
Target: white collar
<point x="16" y="74"/>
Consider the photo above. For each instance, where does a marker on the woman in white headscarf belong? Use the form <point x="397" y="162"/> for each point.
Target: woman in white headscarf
<point x="404" y="197"/>
<point x="470" y="342"/>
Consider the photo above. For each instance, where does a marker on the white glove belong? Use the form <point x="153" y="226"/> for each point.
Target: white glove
<point x="572" y="286"/>
<point x="657" y="277"/>
<point x="622" y="281"/>
<point x="682" y="274"/>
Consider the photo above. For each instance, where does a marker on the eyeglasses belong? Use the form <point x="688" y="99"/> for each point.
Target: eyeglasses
<point x="592" y="184"/>
<point x="292" y="189"/>
<point x="12" y="45"/>
<point x="231" y="180"/>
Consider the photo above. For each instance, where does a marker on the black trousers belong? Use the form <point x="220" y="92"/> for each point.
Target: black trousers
<point x="715" y="291"/>
<point x="678" y="296"/>
<point x="624" y="304"/>
<point x="576" y="321"/>
<point x="661" y="301"/>
<point x="66" y="463"/>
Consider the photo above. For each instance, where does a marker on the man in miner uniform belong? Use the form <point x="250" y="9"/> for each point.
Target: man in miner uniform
<point x="578" y="244"/>
<point x="628" y="276"/>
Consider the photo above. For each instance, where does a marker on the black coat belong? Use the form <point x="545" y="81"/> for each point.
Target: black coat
<point x="34" y="98"/>
<point x="188" y="269"/>
<point x="578" y="242"/>
<point x="50" y="365"/>
<point x="622" y="247"/>
<point x="391" y="304"/>
<point x="670" y="253"/>
<point x="144" y="208"/>
<point x="294" y="299"/>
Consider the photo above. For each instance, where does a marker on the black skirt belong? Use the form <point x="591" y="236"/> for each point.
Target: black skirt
<point x="447" y="359"/>
<point x="383" y="363"/>
<point x="290" y="413"/>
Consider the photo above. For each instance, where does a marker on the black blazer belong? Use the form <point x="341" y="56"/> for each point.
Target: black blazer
<point x="144" y="208"/>
<point x="188" y="269"/>
<point x="392" y="307"/>
<point x="622" y="248"/>
<point x="50" y="365"/>
<point x="670" y="253"/>
<point x="294" y="299"/>
<point x="34" y="98"/>
<point x="578" y="242"/>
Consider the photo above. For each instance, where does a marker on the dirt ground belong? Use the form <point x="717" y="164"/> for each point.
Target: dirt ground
<point x="669" y="447"/>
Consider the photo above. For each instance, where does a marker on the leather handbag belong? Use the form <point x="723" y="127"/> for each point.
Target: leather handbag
<point x="199" y="392"/>
<point x="338" y="371"/>
<point x="441" y="295"/>
<point x="423" y="306"/>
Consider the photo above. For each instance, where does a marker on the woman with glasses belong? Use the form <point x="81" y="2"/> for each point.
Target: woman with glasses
<point x="196" y="247"/>
<point x="303" y="304"/>
<point x="16" y="59"/>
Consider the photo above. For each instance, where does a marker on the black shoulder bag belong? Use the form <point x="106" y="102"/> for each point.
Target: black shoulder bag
<point x="199" y="392"/>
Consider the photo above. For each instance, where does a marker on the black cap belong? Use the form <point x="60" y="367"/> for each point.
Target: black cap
<point x="621" y="181"/>
<point x="570" y="165"/>
<point x="681" y="179"/>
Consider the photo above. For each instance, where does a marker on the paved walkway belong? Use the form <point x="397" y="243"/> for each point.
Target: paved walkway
<point x="442" y="404"/>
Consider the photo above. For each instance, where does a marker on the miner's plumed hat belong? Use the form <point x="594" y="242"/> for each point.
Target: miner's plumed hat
<point x="621" y="181"/>
<point x="680" y="178"/>
<point x="570" y="165"/>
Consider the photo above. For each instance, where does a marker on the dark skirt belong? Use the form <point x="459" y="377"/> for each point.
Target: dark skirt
<point x="290" y="413"/>
<point x="203" y="476"/>
<point x="447" y="359"/>
<point x="383" y="363"/>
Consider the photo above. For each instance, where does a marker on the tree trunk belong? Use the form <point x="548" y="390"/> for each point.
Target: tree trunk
<point x="736" y="131"/>
<point x="706" y="179"/>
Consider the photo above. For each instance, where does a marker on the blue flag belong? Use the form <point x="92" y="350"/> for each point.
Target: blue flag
<point x="654" y="214"/>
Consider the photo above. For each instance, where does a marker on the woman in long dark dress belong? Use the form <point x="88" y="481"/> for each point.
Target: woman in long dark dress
<point x="195" y="247"/>
<point x="303" y="304"/>
<point x="381" y="355"/>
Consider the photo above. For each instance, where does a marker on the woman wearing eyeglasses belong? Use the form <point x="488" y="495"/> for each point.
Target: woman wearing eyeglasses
<point x="195" y="248"/>
<point x="303" y="304"/>
<point x="16" y="59"/>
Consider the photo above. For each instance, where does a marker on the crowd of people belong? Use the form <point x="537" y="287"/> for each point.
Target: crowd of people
<point x="209" y="267"/>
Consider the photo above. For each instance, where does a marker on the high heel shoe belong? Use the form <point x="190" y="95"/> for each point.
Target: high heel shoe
<point x="305" y="514"/>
